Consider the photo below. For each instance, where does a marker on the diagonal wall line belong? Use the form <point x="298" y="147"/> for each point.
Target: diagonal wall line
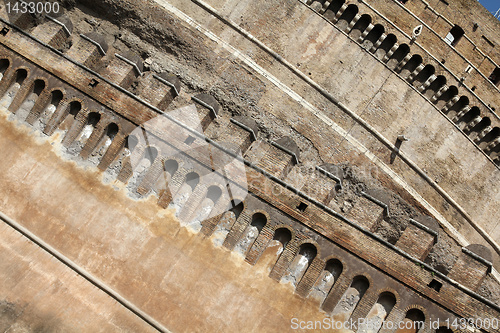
<point x="322" y="116"/>
<point x="83" y="273"/>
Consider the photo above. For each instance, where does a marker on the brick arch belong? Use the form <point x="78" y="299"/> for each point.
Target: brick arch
<point x="392" y="291"/>
<point x="5" y="63"/>
<point x="446" y="96"/>
<point x="317" y="5"/>
<point x="370" y="41"/>
<point x="470" y="115"/>
<point x="192" y="179"/>
<point x="12" y="76"/>
<point x="131" y="141"/>
<point x="493" y="149"/>
<point x="361" y="274"/>
<point x="261" y="211"/>
<point x="457" y="108"/>
<point x="214" y="193"/>
<point x="266" y="243"/>
<point x="358" y="287"/>
<point x="416" y="307"/>
<point x="238" y="202"/>
<point x="361" y="25"/>
<point x="105" y="129"/>
<point x="221" y="226"/>
<point x="161" y="183"/>
<point x="382" y="307"/>
<point x="333" y="9"/>
<point x="323" y="283"/>
<point x="312" y="242"/>
<point x="305" y="267"/>
<point x="478" y="123"/>
<point x="83" y="121"/>
<point x="171" y="170"/>
<point x="151" y="153"/>
<point x="411" y="313"/>
<point x="386" y="46"/>
<point x="206" y="201"/>
<point x="423" y="76"/>
<point x="347" y="16"/>
<point x="258" y="219"/>
<point x="19" y="69"/>
<point x="410" y="66"/>
<point x="488" y="138"/>
<point x="52" y="96"/>
<point x="33" y="85"/>
<point x="250" y="226"/>
<point x="285" y="226"/>
<point x="111" y="132"/>
<point x="435" y="86"/>
<point x="36" y="79"/>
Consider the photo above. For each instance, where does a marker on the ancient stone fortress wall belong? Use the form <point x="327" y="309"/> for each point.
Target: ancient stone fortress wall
<point x="455" y="72"/>
<point x="342" y="83"/>
<point x="335" y="261"/>
<point x="434" y="64"/>
<point x="464" y="59"/>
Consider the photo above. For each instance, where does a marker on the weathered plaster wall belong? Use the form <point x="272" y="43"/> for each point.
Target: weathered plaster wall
<point x="141" y="252"/>
<point x="40" y="294"/>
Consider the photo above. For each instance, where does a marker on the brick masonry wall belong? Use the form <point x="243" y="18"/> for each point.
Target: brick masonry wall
<point x="468" y="271"/>
<point x="366" y="253"/>
<point x="416" y="242"/>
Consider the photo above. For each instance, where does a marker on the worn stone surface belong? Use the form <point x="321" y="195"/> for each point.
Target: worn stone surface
<point x="186" y="281"/>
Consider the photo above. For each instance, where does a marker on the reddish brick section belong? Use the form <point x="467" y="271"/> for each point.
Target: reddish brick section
<point x="57" y="118"/>
<point x="22" y="20"/>
<point x="315" y="222"/>
<point x="416" y="241"/>
<point x="209" y="225"/>
<point x="260" y="244"/>
<point x="8" y="79"/>
<point x="76" y="79"/>
<point x="310" y="276"/>
<point x="174" y="185"/>
<point x="92" y="142"/>
<point x="286" y="257"/>
<point x="121" y="72"/>
<point x="365" y="304"/>
<point x="114" y="149"/>
<point x="377" y="254"/>
<point x="468" y="271"/>
<point x="336" y="293"/>
<point x="127" y="168"/>
<point x="193" y="203"/>
<point x="78" y="125"/>
<point x="86" y="52"/>
<point x="156" y="91"/>
<point x="322" y="190"/>
<point x="276" y="161"/>
<point x="42" y="101"/>
<point x="154" y="172"/>
<point x="24" y="91"/>
<point x="237" y="230"/>
<point x="233" y="136"/>
<point x="52" y="34"/>
<point x="397" y="315"/>
<point x="366" y="213"/>
<point x="165" y="198"/>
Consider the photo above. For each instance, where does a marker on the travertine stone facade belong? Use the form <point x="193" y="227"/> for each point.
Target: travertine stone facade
<point x="315" y="241"/>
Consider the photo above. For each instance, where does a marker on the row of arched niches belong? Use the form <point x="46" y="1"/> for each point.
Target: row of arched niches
<point x="377" y="283"/>
<point x="478" y="123"/>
